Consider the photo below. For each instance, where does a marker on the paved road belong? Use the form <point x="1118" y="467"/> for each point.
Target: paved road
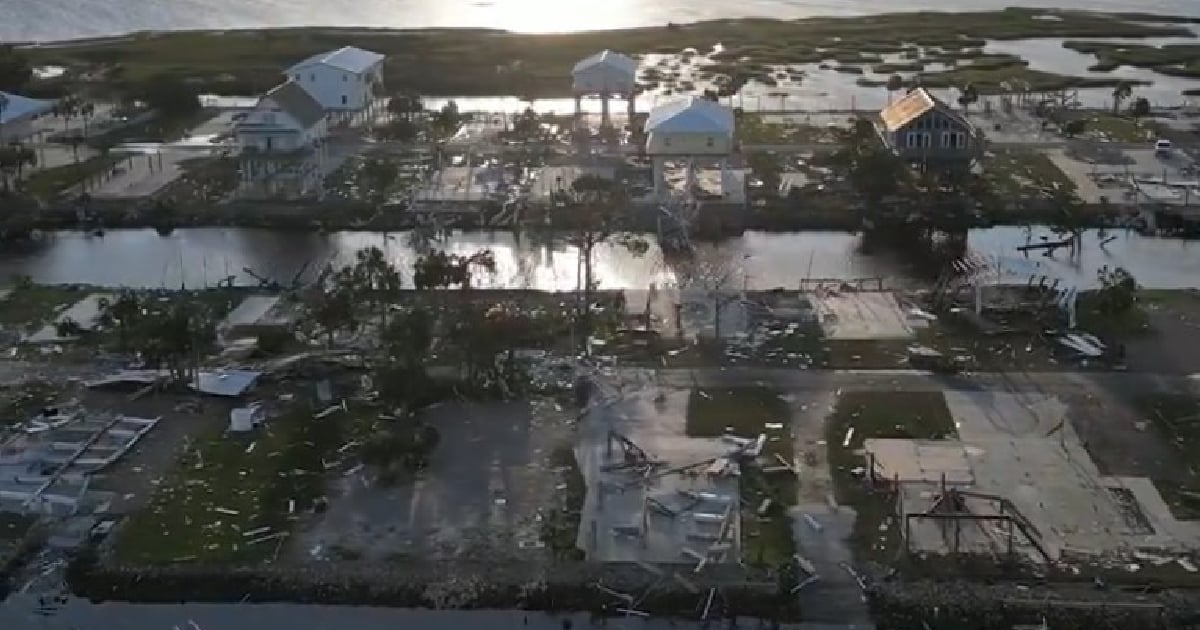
<point x="826" y="380"/>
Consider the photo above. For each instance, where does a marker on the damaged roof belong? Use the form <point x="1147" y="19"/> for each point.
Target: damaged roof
<point x="912" y="106"/>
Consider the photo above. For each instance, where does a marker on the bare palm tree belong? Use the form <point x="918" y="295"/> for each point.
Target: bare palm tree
<point x="1122" y="91"/>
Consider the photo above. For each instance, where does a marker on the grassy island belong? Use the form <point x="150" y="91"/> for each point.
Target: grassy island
<point x="465" y="62"/>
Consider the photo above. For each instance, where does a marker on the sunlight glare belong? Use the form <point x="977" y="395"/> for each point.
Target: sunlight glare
<point x="551" y="16"/>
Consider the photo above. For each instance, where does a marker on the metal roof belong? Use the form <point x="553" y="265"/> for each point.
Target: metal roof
<point x="608" y="59"/>
<point x="17" y="107"/>
<point x="691" y="115"/>
<point x="347" y="58"/>
<point x="913" y="105"/>
<point x="297" y="102"/>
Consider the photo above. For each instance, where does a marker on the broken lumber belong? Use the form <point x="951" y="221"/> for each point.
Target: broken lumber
<point x="804" y="564"/>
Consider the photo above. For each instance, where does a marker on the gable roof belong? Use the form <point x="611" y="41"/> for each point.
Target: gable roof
<point x="912" y="106"/>
<point x="608" y="59"/>
<point x="17" y="107"/>
<point x="691" y="115"/>
<point x="298" y="103"/>
<point x="347" y="58"/>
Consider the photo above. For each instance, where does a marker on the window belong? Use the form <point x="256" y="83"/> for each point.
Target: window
<point x="710" y="142"/>
<point x="960" y="140"/>
<point x="312" y="78"/>
<point x="910" y="140"/>
<point x="345" y="77"/>
<point x="946" y="139"/>
<point x="667" y="141"/>
<point x="297" y="77"/>
<point x="926" y="140"/>
<point x="344" y="100"/>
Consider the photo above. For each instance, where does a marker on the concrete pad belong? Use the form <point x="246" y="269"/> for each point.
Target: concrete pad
<point x="1023" y="448"/>
<point x="551" y="179"/>
<point x="85" y="313"/>
<point x="861" y="315"/>
<point x="616" y="501"/>
<point x="920" y="460"/>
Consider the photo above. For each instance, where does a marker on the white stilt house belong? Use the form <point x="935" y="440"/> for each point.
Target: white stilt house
<point x="685" y="130"/>
<point x="606" y="74"/>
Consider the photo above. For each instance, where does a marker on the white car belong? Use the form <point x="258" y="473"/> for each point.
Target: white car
<point x="1162" y="146"/>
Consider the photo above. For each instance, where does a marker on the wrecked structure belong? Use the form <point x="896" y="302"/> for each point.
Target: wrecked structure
<point x="1019" y="483"/>
<point x="659" y="496"/>
<point x="47" y="463"/>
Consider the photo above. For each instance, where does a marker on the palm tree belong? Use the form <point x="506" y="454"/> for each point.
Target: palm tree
<point x="86" y="111"/>
<point x="895" y="83"/>
<point x="376" y="280"/>
<point x="1122" y="91"/>
<point x="598" y="207"/>
<point x="3" y="108"/>
<point x="968" y="95"/>
<point x="124" y="312"/>
<point x="399" y="106"/>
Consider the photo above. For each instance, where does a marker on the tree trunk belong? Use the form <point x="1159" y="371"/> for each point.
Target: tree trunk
<point x="589" y="245"/>
<point x="716" y="317"/>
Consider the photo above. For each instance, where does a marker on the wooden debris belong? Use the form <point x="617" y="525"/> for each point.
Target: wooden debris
<point x="804" y="564"/>
<point x="686" y="583"/>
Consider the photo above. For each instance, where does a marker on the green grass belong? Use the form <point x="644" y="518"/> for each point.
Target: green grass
<point x="51" y="182"/>
<point x="907" y="415"/>
<point x="156" y="129"/>
<point x="1177" y="418"/>
<point x="1133" y="322"/>
<point x="487" y="62"/>
<point x="29" y="307"/>
<point x="1175" y="59"/>
<point x="990" y="79"/>
<point x="745" y="411"/>
<point x="20" y="402"/>
<point x="560" y="527"/>
<point x="1020" y="173"/>
<point x="182" y="523"/>
<point x="755" y="129"/>
<point x="1121" y="128"/>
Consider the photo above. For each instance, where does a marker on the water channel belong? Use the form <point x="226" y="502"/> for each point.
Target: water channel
<point x="758" y="260"/>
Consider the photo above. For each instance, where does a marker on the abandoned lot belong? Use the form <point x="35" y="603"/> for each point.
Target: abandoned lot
<point x="796" y="483"/>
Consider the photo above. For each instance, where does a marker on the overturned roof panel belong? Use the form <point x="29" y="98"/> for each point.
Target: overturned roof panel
<point x="228" y="383"/>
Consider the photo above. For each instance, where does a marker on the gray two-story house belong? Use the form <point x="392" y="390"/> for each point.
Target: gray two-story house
<point x="922" y="129"/>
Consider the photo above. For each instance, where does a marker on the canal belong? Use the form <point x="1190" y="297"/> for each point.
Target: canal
<point x="203" y="256"/>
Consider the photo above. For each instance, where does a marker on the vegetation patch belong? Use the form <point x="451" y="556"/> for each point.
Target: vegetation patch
<point x="48" y="184"/>
<point x="1173" y="59"/>
<point x="560" y="527"/>
<point x="1021" y="173"/>
<point x="996" y="79"/>
<point x="488" y="62"/>
<point x="865" y="415"/>
<point x="233" y="498"/>
<point x="29" y="306"/>
<point x="1177" y="418"/>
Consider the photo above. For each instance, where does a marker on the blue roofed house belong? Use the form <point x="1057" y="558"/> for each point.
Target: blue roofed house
<point x="347" y="82"/>
<point x="17" y="114"/>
